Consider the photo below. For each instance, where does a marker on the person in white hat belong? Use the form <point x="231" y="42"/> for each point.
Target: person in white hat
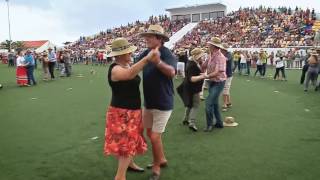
<point x="52" y="62"/>
<point x="158" y="92"/>
<point x="124" y="129"/>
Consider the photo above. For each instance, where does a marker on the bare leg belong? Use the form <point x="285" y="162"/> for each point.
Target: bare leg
<point x="134" y="165"/>
<point x="157" y="150"/>
<point x="228" y="99"/>
<point x="225" y="101"/>
<point x="123" y="163"/>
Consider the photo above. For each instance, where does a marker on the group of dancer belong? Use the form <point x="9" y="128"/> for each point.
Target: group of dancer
<point x="126" y="120"/>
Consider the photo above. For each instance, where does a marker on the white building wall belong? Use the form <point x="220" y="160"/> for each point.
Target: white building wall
<point x="197" y="10"/>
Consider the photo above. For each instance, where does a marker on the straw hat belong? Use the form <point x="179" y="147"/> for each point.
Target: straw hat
<point x="230" y="122"/>
<point x="215" y="41"/>
<point x="156" y="30"/>
<point x="224" y="46"/>
<point x="121" y="46"/>
<point x="196" y="54"/>
<point x="314" y="53"/>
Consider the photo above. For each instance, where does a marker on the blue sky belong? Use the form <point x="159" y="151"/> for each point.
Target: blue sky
<point x="66" y="20"/>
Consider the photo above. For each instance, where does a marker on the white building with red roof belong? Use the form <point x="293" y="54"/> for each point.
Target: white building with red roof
<point x="38" y="46"/>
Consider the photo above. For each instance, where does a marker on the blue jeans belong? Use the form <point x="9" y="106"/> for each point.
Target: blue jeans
<point x="30" y="75"/>
<point x="243" y="66"/>
<point x="212" y="103"/>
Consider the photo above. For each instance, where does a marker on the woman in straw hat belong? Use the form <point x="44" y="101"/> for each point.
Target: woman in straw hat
<point x="123" y="137"/>
<point x="216" y="70"/>
<point x="313" y="70"/>
<point x="191" y="87"/>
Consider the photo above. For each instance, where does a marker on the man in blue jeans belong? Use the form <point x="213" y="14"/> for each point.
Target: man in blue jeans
<point x="30" y="67"/>
<point x="216" y="73"/>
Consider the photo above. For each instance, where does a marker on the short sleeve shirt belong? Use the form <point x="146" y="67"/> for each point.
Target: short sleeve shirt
<point x="158" y="88"/>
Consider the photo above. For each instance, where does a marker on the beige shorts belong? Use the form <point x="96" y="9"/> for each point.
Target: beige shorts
<point x="226" y="89"/>
<point x="155" y="119"/>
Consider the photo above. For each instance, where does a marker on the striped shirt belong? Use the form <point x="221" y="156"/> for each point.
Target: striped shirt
<point x="217" y="61"/>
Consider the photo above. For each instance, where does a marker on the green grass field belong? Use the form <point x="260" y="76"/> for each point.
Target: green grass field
<point x="46" y="131"/>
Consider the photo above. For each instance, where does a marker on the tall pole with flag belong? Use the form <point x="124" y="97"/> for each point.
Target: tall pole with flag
<point x="9" y="25"/>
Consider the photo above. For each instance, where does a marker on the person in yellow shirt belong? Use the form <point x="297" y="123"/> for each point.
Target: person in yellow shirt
<point x="236" y="61"/>
<point x="264" y="59"/>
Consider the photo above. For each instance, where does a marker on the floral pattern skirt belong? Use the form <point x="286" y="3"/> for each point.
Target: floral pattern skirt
<point x="124" y="133"/>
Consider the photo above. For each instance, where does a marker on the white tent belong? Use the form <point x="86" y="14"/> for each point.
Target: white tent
<point x="45" y="47"/>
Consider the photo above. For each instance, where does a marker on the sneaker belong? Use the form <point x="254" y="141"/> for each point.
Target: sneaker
<point x="208" y="129"/>
<point x="218" y="126"/>
<point x="185" y="122"/>
<point x="193" y="128"/>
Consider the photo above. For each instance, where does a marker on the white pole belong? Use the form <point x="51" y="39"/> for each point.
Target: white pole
<point x="9" y="24"/>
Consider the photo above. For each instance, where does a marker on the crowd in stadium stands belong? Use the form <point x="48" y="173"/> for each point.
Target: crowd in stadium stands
<point x="261" y="27"/>
<point x="246" y="28"/>
<point x="90" y="47"/>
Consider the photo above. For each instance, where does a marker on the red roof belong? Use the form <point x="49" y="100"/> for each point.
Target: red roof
<point x="34" y="44"/>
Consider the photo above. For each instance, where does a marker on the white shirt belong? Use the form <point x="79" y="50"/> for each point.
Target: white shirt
<point x="21" y="61"/>
<point x="243" y="59"/>
<point x="279" y="63"/>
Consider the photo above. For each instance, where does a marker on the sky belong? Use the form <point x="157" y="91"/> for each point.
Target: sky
<point x="66" y="20"/>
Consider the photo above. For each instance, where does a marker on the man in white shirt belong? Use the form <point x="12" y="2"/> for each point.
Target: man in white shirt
<point x="52" y="62"/>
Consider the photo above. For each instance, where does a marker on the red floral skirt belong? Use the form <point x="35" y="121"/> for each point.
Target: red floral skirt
<point x="21" y="75"/>
<point x="124" y="133"/>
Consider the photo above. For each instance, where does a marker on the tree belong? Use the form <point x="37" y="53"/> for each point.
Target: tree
<point x="14" y="45"/>
<point x="5" y="45"/>
<point x="18" y="45"/>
